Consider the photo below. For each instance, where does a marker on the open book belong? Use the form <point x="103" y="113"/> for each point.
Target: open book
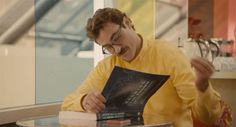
<point x="126" y="91"/>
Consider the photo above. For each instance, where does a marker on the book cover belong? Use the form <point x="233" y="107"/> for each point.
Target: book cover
<point x="128" y="91"/>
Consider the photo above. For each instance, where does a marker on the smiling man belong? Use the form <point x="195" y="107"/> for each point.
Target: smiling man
<point x="185" y="95"/>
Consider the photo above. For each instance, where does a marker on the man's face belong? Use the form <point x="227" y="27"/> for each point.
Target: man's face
<point x="119" y="41"/>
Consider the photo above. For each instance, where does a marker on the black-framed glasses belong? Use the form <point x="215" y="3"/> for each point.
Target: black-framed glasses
<point x="108" y="48"/>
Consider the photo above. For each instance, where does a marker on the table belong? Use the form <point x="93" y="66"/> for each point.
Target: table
<point x="53" y="121"/>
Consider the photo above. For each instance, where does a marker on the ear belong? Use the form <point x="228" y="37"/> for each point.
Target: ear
<point x="127" y="23"/>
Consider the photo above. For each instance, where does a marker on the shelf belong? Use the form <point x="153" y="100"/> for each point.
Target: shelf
<point x="224" y="75"/>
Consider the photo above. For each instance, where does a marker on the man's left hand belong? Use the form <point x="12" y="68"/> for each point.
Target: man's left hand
<point x="203" y="69"/>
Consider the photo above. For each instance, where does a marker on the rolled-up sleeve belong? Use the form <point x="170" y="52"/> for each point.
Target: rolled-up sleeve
<point x="94" y="81"/>
<point x="205" y="106"/>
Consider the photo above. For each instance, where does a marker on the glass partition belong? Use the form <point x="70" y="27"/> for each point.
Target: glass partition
<point x="156" y="18"/>
<point x="64" y="55"/>
<point x="171" y="20"/>
<point x="44" y="51"/>
<point x="137" y="10"/>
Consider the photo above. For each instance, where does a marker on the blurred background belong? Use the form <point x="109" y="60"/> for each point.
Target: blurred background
<point x="45" y="54"/>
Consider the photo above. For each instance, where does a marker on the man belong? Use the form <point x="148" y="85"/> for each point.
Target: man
<point x="182" y="97"/>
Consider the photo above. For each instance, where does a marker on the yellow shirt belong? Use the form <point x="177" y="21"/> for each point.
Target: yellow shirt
<point x="177" y="100"/>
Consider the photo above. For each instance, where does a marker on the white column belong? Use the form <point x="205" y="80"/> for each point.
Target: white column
<point x="97" y="49"/>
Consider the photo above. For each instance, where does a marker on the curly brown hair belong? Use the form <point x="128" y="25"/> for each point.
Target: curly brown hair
<point x="101" y="17"/>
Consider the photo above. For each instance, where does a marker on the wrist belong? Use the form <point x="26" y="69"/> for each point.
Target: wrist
<point x="202" y="86"/>
<point x="82" y="103"/>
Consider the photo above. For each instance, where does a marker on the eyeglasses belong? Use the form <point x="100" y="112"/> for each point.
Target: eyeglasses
<point x="108" y="48"/>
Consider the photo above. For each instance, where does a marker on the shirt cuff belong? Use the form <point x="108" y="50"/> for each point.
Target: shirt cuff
<point x="78" y="103"/>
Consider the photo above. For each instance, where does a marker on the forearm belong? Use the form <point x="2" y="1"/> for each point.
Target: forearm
<point x="73" y="102"/>
<point x="206" y="107"/>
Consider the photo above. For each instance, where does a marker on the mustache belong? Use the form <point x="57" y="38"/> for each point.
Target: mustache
<point x="123" y="50"/>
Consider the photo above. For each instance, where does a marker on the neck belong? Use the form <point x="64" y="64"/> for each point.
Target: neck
<point x="139" y="40"/>
<point x="140" y="44"/>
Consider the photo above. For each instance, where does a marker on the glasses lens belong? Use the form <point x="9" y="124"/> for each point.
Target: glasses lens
<point x="107" y="49"/>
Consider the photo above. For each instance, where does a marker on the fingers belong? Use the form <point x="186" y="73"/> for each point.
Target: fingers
<point x="97" y="101"/>
<point x="204" y="69"/>
<point x="94" y="102"/>
<point x="203" y="66"/>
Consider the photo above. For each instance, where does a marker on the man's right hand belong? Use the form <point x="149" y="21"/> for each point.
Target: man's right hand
<point x="94" y="102"/>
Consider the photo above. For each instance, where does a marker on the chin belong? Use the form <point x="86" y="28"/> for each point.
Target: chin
<point x="127" y="58"/>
